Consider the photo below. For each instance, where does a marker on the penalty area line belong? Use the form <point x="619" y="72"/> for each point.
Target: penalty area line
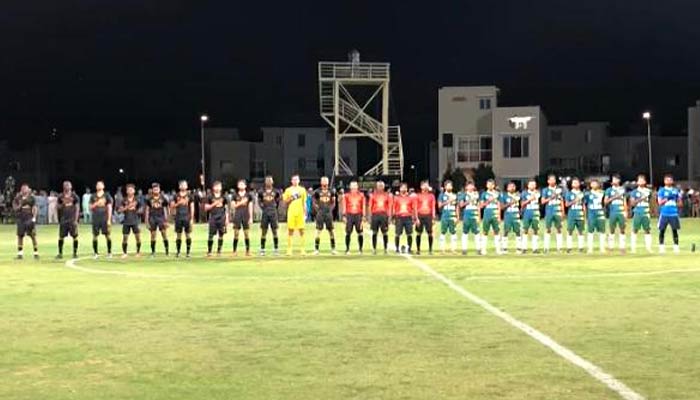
<point x="71" y="264"/>
<point x="593" y="370"/>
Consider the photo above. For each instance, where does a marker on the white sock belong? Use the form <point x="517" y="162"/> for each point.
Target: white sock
<point x="569" y="242"/>
<point x="20" y="252"/>
<point x="504" y="243"/>
<point x="647" y="241"/>
<point x="633" y="243"/>
<point x="590" y="242"/>
<point x="535" y="242"/>
<point x="580" y="242"/>
<point x="611" y="240"/>
<point x="676" y="248"/>
<point x="662" y="248"/>
<point x="497" y="242"/>
<point x="442" y="242"/>
<point x="519" y="243"/>
<point x="560" y="241"/>
<point x="601" y="238"/>
<point x="547" y="241"/>
<point x="465" y="241"/>
<point x="483" y="243"/>
<point x="453" y="242"/>
<point x="623" y="243"/>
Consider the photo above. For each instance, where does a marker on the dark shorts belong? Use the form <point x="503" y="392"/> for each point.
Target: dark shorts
<point x="426" y="223"/>
<point x="128" y="228"/>
<point x="241" y="221"/>
<point x="405" y="224"/>
<point x="217" y="227"/>
<point x="26" y="228"/>
<point x="380" y="222"/>
<point x="68" y="229"/>
<point x="269" y="220"/>
<point x="673" y="222"/>
<point x="156" y="223"/>
<point x="353" y="221"/>
<point x="324" y="220"/>
<point x="183" y="225"/>
<point x="100" y="227"/>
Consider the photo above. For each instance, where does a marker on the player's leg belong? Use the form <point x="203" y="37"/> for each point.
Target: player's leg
<point x="601" y="234"/>
<point x="675" y="227"/>
<point x="108" y="236"/>
<point x="95" y="235"/>
<point x="548" y="222"/>
<point x="264" y="225"/>
<point x="275" y="235"/>
<point x="319" y="230"/>
<point x="74" y="235"/>
<point x="374" y="227"/>
<point x="20" y="239"/>
<point x="453" y="236"/>
<point x="496" y="227"/>
<point x="179" y="227"/>
<point x="32" y="236"/>
<point x="385" y="234"/>
<point x="237" y="225"/>
<point x="560" y="237"/>
<point x="62" y="233"/>
<point x="419" y="233"/>
<point x="162" y="227"/>
<point x="570" y="226"/>
<point x="409" y="234"/>
<point x="221" y="230"/>
<point x="443" y="231"/>
<point x="611" y="235"/>
<point x="125" y="240"/>
<point x="622" y="240"/>
<point x="348" y="231"/>
<point x="580" y="235"/>
<point x="397" y="234"/>
<point x="663" y="224"/>
<point x="360" y="233"/>
<point x="646" y="226"/>
<point x="153" y="228"/>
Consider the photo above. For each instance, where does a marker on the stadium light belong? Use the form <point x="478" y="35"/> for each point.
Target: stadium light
<point x="647" y="116"/>
<point x="121" y="171"/>
<point x="203" y="119"/>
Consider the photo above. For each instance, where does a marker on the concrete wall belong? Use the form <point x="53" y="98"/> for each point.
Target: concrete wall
<point x="518" y="168"/>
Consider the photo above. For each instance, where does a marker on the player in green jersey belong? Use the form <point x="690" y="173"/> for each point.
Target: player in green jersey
<point x="447" y="203"/>
<point x="639" y="201"/>
<point x="510" y="202"/>
<point x="595" y="215"/>
<point x="552" y="199"/>
<point x="469" y="204"/>
<point x="616" y="202"/>
<point x="575" y="216"/>
<point x="492" y="216"/>
<point x="530" y="206"/>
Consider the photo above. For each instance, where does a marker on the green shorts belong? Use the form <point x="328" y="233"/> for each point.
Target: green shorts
<point x="448" y="225"/>
<point x="531" y="222"/>
<point x="641" y="222"/>
<point x="575" y="224"/>
<point x="470" y="225"/>
<point x="511" y="224"/>
<point x="489" y="224"/>
<point x="617" y="220"/>
<point x="553" y="220"/>
<point x="596" y="225"/>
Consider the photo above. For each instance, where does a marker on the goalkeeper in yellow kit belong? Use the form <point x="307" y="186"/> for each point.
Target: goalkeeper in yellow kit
<point x="295" y="197"/>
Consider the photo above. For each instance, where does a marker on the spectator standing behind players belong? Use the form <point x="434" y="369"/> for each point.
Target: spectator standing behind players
<point x="617" y="210"/>
<point x="324" y="202"/>
<point x="425" y="210"/>
<point x="269" y="199"/>
<point x="510" y="202"/>
<point x="131" y="208"/>
<point x="354" y="207"/>
<point x="242" y="206"/>
<point x="553" y="212"/>
<point x="101" y="204"/>
<point x="217" y="208"/>
<point x="640" y="200"/>
<point x="87" y="213"/>
<point x="295" y="198"/>
<point x="42" y="204"/>
<point x="670" y="201"/>
<point x="156" y="214"/>
<point x="53" y="210"/>
<point x="595" y="215"/>
<point x="26" y="211"/>
<point x="380" y="203"/>
<point x="182" y="206"/>
<point x="469" y="203"/>
<point x="68" y="210"/>
<point x="405" y="212"/>
<point x="447" y="203"/>
<point x="575" y="218"/>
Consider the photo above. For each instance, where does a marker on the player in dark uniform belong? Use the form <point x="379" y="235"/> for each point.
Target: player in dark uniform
<point x="68" y="205"/>
<point x="218" y="217"/>
<point x="101" y="210"/>
<point x="26" y="210"/>
<point x="156" y="213"/>
<point x="242" y="206"/>
<point x="269" y="199"/>
<point x="131" y="208"/>
<point x="324" y="200"/>
<point x="183" y="208"/>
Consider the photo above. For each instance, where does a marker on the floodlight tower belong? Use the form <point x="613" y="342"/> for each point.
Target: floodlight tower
<point x="354" y="100"/>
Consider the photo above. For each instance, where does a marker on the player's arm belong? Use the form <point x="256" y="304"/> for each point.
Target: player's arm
<point x="364" y="207"/>
<point x="191" y="205"/>
<point x="109" y="212"/>
<point x="661" y="198"/>
<point x="35" y="210"/>
<point x="93" y="203"/>
<point x="390" y="209"/>
<point x="370" y="203"/>
<point x="208" y="205"/>
<point x="250" y="210"/>
<point x="76" y="202"/>
<point x="166" y="212"/>
<point x="147" y="210"/>
<point x="545" y="199"/>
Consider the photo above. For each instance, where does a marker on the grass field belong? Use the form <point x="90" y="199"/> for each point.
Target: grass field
<point x="344" y="327"/>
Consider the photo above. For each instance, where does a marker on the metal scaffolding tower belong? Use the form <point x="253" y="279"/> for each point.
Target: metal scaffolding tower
<point x="341" y="87"/>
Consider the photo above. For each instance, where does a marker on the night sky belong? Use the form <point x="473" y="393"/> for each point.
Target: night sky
<point x="133" y="67"/>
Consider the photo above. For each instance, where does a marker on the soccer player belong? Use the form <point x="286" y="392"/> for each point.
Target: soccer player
<point x="182" y="206"/>
<point x="68" y="205"/>
<point x="101" y="203"/>
<point x="595" y="215"/>
<point x="324" y="200"/>
<point x="670" y="199"/>
<point x="218" y="217"/>
<point x="425" y="210"/>
<point x="354" y="208"/>
<point x="530" y="206"/>
<point x="131" y="208"/>
<point x="447" y="203"/>
<point x="510" y="202"/>
<point x="492" y="216"/>
<point x="380" y="205"/>
<point x="156" y="213"/>
<point x="405" y="214"/>
<point x="575" y="217"/>
<point x="269" y="199"/>
<point x="242" y="205"/>
<point x="295" y="197"/>
<point x="469" y="203"/>
<point x="617" y="210"/>
<point x="26" y="210"/>
<point x="639" y="201"/>
<point x="553" y="212"/>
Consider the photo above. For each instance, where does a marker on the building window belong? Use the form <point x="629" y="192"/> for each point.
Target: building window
<point x="485" y="148"/>
<point x="516" y="146"/>
<point x="278" y="140"/>
<point x="474" y="149"/>
<point x="447" y="140"/>
<point x="459" y="99"/>
<point x="589" y="136"/>
<point x="555" y="135"/>
<point x="673" y="161"/>
<point x="301" y="140"/>
<point x="484" y="104"/>
<point x="301" y="165"/>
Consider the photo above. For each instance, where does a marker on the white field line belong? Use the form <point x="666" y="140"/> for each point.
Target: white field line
<point x="553" y="276"/>
<point x="71" y="264"/>
<point x="596" y="372"/>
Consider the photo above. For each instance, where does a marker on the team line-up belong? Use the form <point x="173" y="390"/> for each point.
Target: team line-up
<point x="481" y="214"/>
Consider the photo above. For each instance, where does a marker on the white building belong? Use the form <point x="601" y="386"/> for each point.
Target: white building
<point x="519" y="145"/>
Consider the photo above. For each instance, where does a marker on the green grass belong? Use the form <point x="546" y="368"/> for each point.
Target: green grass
<point x="343" y="327"/>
